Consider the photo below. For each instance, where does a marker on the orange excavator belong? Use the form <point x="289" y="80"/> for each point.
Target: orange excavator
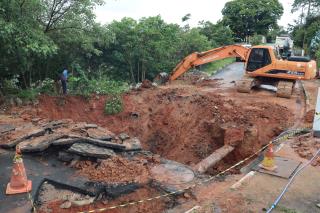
<point x="262" y="66"/>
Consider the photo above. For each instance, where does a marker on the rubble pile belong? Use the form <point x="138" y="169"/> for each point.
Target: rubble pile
<point x="306" y="146"/>
<point x="116" y="170"/>
<point x="80" y="138"/>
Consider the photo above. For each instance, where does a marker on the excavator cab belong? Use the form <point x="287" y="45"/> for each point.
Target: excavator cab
<point x="258" y="58"/>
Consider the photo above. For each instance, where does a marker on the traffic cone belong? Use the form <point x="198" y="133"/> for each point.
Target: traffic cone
<point x="268" y="162"/>
<point x="18" y="182"/>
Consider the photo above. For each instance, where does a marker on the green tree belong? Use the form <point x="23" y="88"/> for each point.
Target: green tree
<point x="247" y="17"/>
<point x="218" y="34"/>
<point x="301" y="31"/>
<point x="302" y="35"/>
<point x="311" y="6"/>
<point x="22" y="41"/>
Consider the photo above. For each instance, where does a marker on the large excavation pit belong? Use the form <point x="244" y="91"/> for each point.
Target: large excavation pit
<point x="182" y="124"/>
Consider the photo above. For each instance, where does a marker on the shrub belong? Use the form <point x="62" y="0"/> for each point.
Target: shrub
<point x="113" y="105"/>
<point x="256" y="40"/>
<point x="29" y="94"/>
<point x="47" y="86"/>
<point x="10" y="86"/>
<point x="83" y="86"/>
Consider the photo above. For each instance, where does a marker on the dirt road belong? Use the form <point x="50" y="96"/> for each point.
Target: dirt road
<point x="230" y="73"/>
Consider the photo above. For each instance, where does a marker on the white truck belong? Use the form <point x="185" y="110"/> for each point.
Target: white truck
<point x="284" y="45"/>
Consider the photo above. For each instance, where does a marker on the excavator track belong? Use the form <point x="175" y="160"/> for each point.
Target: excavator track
<point x="244" y="85"/>
<point x="285" y="89"/>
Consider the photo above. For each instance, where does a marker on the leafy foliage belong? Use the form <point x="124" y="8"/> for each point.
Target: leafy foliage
<point x="303" y="34"/>
<point x="247" y="17"/>
<point x="256" y="39"/>
<point x="218" y="34"/>
<point x="311" y="5"/>
<point x="29" y="94"/>
<point x="113" y="105"/>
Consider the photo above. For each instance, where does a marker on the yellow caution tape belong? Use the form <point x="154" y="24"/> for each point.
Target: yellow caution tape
<point x="279" y="139"/>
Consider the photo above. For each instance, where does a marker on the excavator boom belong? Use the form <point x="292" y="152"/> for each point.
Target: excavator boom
<point x="196" y="59"/>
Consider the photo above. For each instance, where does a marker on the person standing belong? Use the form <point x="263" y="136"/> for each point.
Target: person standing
<point x="63" y="79"/>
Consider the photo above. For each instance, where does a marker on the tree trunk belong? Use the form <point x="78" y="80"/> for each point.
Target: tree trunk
<point x="138" y="76"/>
<point x="24" y="80"/>
<point x="142" y="72"/>
<point x="131" y="72"/>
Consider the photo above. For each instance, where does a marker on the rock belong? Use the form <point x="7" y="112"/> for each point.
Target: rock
<point x="88" y="126"/>
<point x="133" y="144"/>
<point x="39" y="144"/>
<point x="123" y="136"/>
<point x="186" y="195"/>
<point x="82" y="202"/>
<point x="303" y="153"/>
<point x="103" y="143"/>
<point x="22" y="134"/>
<point x="66" y="141"/>
<point x="90" y="150"/>
<point x="18" y="101"/>
<point x="35" y="120"/>
<point x="100" y="134"/>
<point x="66" y="205"/>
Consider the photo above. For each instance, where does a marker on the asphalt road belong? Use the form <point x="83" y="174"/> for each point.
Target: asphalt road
<point x="230" y="73"/>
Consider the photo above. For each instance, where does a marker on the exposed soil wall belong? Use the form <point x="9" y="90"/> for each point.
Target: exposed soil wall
<point x="178" y="123"/>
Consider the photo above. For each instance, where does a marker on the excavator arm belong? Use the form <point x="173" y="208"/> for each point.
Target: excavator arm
<point x="196" y="59"/>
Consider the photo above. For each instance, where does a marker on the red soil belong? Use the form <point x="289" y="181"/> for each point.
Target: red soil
<point x="177" y="123"/>
<point x="115" y="170"/>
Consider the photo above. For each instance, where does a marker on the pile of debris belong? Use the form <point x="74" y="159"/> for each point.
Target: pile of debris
<point x="83" y="139"/>
<point x="306" y="146"/>
<point x="194" y="77"/>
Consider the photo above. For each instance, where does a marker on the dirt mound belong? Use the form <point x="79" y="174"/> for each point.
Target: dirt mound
<point x="178" y="123"/>
<point x="115" y="170"/>
<point x="306" y="146"/>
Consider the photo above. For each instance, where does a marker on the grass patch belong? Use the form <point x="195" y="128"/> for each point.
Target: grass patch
<point x="213" y="67"/>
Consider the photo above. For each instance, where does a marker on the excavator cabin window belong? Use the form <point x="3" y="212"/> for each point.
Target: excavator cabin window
<point x="259" y="57"/>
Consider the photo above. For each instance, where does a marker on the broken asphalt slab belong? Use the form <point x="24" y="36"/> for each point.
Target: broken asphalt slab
<point x="4" y="128"/>
<point x="22" y="134"/>
<point x="89" y="150"/>
<point x="38" y="144"/>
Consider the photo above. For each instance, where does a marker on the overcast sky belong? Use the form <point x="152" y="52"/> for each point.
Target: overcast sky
<point x="173" y="10"/>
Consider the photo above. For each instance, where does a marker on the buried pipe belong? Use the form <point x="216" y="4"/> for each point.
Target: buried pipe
<point x="213" y="159"/>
